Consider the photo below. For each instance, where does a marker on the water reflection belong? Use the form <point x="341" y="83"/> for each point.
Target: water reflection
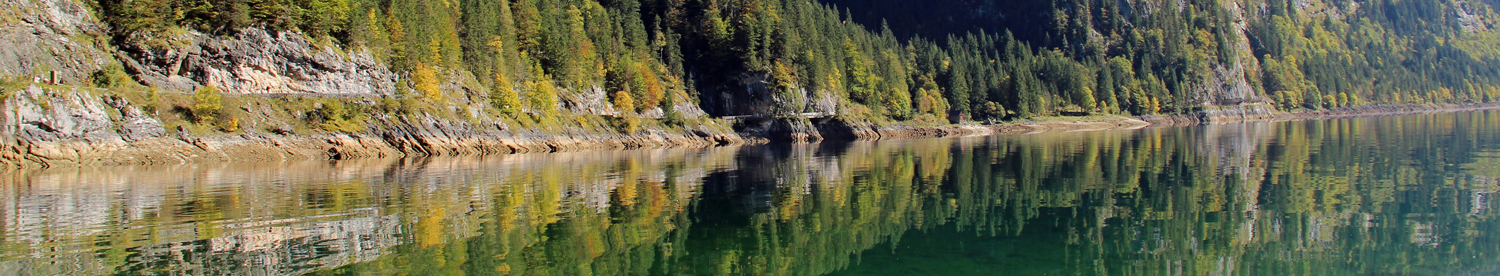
<point x="303" y="217"/>
<point x="1400" y="195"/>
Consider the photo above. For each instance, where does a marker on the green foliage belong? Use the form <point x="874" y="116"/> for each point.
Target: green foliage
<point x="528" y="27"/>
<point x="1091" y="56"/>
<point x="503" y="97"/>
<point x="862" y="83"/>
<point x="207" y="104"/>
<point x="670" y="116"/>
<point x="315" y="17"/>
<point x="542" y="98"/>
<point x="626" y="124"/>
<point x="208" y="109"/>
<point x="993" y="110"/>
<point x="624" y="102"/>
<point x="403" y="106"/>
<point x="323" y="17"/>
<point x="929" y="98"/>
<point x="335" y="115"/>
<point x="425" y="81"/>
<point x="111" y="76"/>
<point x="153" y="100"/>
<point x="489" y="37"/>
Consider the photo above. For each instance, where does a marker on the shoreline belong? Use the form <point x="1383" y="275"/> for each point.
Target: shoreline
<point x="456" y="140"/>
<point x="1379" y="110"/>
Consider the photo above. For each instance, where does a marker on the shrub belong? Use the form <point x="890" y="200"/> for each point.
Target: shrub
<point x="623" y="102"/>
<point x="153" y="100"/>
<point x="337" y="116"/>
<point x="673" y="118"/>
<point x="332" y="110"/>
<point x="227" y="122"/>
<point x="626" y="124"/>
<point x="110" y="76"/>
<point x="669" y="111"/>
<point x="995" y="111"/>
<point x="404" y="106"/>
<point x="207" y="102"/>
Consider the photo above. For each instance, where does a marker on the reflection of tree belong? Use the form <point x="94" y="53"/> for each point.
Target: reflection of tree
<point x="1403" y="195"/>
<point x="545" y="221"/>
<point x="1258" y="199"/>
<point x="523" y="213"/>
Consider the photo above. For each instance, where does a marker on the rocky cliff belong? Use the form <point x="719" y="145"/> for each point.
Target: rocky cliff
<point x="48" y="126"/>
<point x="47" y="123"/>
<point x="42" y="37"/>
<point x="287" y="96"/>
<point x="67" y="125"/>
<point x="255" y="61"/>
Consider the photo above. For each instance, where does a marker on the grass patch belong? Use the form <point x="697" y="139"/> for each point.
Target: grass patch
<point x="626" y="124"/>
<point x="9" y="86"/>
<point x="111" y="75"/>
<point x="339" y="116"/>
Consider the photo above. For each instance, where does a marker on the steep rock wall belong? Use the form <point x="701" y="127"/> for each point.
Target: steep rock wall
<point x="255" y="61"/>
<point x="59" y="126"/>
<point x="38" y="37"/>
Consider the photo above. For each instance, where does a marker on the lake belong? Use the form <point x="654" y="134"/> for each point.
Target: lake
<point x="1413" y="195"/>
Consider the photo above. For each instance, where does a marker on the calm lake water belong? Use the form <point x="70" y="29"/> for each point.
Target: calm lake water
<point x="1396" y="195"/>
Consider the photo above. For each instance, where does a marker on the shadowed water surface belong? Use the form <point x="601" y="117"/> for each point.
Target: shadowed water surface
<point x="1412" y="195"/>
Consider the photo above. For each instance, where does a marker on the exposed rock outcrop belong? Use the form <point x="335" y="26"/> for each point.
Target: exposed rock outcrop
<point x="41" y="115"/>
<point x="1218" y="115"/>
<point x="1226" y="84"/>
<point x="593" y="101"/>
<point x="69" y="126"/>
<point x="47" y="127"/>
<point x="795" y="130"/>
<point x="134" y="124"/>
<point x="39" y="37"/>
<point x="255" y="61"/>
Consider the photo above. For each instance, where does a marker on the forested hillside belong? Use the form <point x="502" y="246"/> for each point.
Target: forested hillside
<point x="891" y="59"/>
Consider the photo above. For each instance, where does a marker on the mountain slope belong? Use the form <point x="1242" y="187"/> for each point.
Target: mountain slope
<point x="880" y="61"/>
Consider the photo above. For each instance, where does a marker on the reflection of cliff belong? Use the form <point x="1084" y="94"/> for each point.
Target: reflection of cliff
<point x="1405" y="195"/>
<point x="805" y="210"/>
<point x="303" y="217"/>
<point x="1291" y="198"/>
<point x="292" y="246"/>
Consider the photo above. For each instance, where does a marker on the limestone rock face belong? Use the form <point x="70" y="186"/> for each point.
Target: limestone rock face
<point x="39" y="115"/>
<point x="255" y="61"/>
<point x="591" y="101"/>
<point x="689" y="110"/>
<point x="134" y="124"/>
<point x="38" y="37"/>
<point x="756" y="94"/>
<point x="684" y="108"/>
<point x="1226" y="84"/>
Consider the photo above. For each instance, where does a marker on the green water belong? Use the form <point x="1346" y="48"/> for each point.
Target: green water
<point x="1412" y="195"/>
